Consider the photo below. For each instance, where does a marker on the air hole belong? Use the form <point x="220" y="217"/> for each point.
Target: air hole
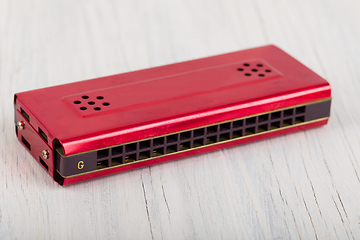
<point x="250" y="131"/>
<point x="287" y="122"/>
<point x="43" y="135"/>
<point x="275" y="115"/>
<point x="288" y="112"/>
<point x="44" y="164"/>
<point x="117" y="150"/>
<point x="263" y="118"/>
<point x="261" y="75"/>
<point x="259" y="65"/>
<point x="102" y="164"/>
<point x="171" y="149"/>
<point x="199" y="132"/>
<point x="26" y="143"/>
<point x="247" y="74"/>
<point x="130" y="158"/>
<point x="99" y="97"/>
<point x="171" y="138"/>
<point x="267" y="70"/>
<point x="158" y="152"/>
<point x="184" y="146"/>
<point x="106" y="104"/>
<point x="246" y="64"/>
<point x="263" y="128"/>
<point x="224" y="126"/>
<point x="237" y="134"/>
<point x="25" y="114"/>
<point x="299" y="119"/>
<point x="130" y="147"/>
<point x="212" y="129"/>
<point x="158" y="141"/>
<point x="254" y="70"/>
<point x="240" y="69"/>
<point x="144" y="144"/>
<point x="144" y="155"/>
<point x="85" y="97"/>
<point x="211" y="140"/>
<point x="91" y="103"/>
<point x="238" y="123"/>
<point x="77" y="102"/>
<point x="198" y="143"/>
<point x="97" y="108"/>
<point x="275" y="125"/>
<point x="103" y="153"/>
<point x="300" y="110"/>
<point x="251" y="120"/>
<point x="185" y="135"/>
<point x="116" y="161"/>
<point x="83" y="108"/>
<point x="224" y="137"/>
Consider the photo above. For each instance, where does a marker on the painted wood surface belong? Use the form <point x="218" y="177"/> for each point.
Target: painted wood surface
<point x="299" y="186"/>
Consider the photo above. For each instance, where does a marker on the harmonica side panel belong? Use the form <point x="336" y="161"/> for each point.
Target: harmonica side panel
<point x="148" y="150"/>
<point x="34" y="142"/>
<point x="84" y="177"/>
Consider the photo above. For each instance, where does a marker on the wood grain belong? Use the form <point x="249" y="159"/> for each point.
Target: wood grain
<point x="299" y="186"/>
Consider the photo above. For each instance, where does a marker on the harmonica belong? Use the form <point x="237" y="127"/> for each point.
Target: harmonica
<point x="93" y="128"/>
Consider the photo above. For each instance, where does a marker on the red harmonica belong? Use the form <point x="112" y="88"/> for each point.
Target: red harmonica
<point x="93" y="128"/>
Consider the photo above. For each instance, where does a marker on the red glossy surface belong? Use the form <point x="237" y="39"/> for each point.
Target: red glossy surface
<point x="136" y="165"/>
<point x="170" y="98"/>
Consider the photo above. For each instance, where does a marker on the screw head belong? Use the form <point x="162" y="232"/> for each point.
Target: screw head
<point x="45" y="154"/>
<point x="20" y="125"/>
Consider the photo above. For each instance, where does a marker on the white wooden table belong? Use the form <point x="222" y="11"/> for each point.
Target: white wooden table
<point x="299" y="186"/>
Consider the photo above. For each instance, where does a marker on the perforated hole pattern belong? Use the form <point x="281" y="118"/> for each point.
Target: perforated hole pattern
<point x="254" y="69"/>
<point x="86" y="102"/>
<point x="142" y="150"/>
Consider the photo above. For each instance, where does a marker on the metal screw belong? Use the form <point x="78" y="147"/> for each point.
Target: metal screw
<point x="45" y="154"/>
<point x="20" y="125"/>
